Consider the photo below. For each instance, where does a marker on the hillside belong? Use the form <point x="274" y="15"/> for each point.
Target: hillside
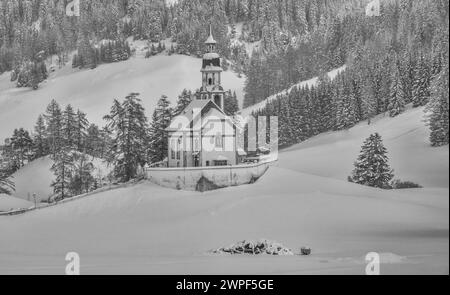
<point x="36" y="178"/>
<point x="8" y="202"/>
<point x="94" y="90"/>
<point x="308" y="83"/>
<point x="332" y="154"/>
<point x="148" y="229"/>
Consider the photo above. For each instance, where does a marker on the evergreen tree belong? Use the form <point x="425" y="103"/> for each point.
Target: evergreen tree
<point x="40" y="138"/>
<point x="69" y="127"/>
<point x="82" y="180"/>
<point x="62" y="169"/>
<point x="438" y="109"/>
<point x="231" y="104"/>
<point x="372" y="167"/>
<point x="397" y="102"/>
<point x="82" y="124"/>
<point x="93" y="140"/>
<point x="421" y="85"/>
<point x="6" y="185"/>
<point x="161" y="119"/>
<point x="184" y="99"/>
<point x="54" y="122"/>
<point x="22" y="147"/>
<point x="128" y="149"/>
<point x="345" y="109"/>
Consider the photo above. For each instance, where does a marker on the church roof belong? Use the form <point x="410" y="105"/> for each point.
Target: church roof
<point x="210" y="40"/>
<point x="188" y="113"/>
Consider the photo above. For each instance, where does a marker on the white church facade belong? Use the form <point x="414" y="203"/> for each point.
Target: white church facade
<point x="203" y="135"/>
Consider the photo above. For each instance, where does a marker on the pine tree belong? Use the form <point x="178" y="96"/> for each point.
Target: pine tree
<point x="40" y="138"/>
<point x="421" y="85"/>
<point x="93" y="141"/>
<point x="54" y="122"/>
<point x="184" y="99"/>
<point x="22" y="146"/>
<point x="345" y="108"/>
<point x="82" y="179"/>
<point x="161" y="119"/>
<point x="407" y="74"/>
<point x="62" y="169"/>
<point x="397" y="102"/>
<point x="372" y="167"/>
<point x="69" y="127"/>
<point x="231" y="104"/>
<point x="82" y="124"/>
<point x="128" y="149"/>
<point x="6" y="184"/>
<point x="438" y="109"/>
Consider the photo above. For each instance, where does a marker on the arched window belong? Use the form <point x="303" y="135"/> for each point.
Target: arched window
<point x="210" y="81"/>
<point x="219" y="140"/>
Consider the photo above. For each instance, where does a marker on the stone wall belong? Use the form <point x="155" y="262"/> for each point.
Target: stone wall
<point x="206" y="178"/>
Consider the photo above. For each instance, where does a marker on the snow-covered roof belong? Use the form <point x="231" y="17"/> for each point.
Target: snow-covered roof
<point x="211" y="55"/>
<point x="212" y="69"/>
<point x="188" y="114"/>
<point x="241" y="152"/>
<point x="210" y="40"/>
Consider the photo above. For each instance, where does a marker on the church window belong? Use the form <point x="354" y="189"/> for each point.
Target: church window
<point x="217" y="100"/>
<point x="210" y="81"/>
<point x="196" y="145"/>
<point x="172" y="149"/>
<point x="219" y="141"/>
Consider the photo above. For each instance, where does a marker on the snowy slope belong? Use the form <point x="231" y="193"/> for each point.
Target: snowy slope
<point x="36" y="178"/>
<point x="9" y="203"/>
<point x="94" y="90"/>
<point x="405" y="137"/>
<point x="152" y="230"/>
<point x="312" y="82"/>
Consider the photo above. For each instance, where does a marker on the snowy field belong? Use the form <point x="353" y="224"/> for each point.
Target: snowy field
<point x="146" y="229"/>
<point x="93" y="91"/>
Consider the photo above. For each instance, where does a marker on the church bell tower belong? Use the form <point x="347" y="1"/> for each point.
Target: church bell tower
<point x="211" y="74"/>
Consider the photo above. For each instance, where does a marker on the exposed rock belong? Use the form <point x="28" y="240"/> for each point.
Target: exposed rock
<point x="256" y="248"/>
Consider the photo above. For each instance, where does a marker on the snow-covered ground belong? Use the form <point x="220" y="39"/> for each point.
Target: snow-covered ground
<point x="332" y="154"/>
<point x="304" y="201"/>
<point x="9" y="203"/>
<point x="311" y="82"/>
<point x="94" y="90"/>
<point x="36" y="178"/>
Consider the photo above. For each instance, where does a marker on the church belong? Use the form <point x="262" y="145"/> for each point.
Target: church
<point x="203" y="135"/>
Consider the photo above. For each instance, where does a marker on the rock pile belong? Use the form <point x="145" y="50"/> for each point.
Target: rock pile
<point x="256" y="248"/>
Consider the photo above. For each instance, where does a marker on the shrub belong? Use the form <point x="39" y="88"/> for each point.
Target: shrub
<point x="398" y="184"/>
